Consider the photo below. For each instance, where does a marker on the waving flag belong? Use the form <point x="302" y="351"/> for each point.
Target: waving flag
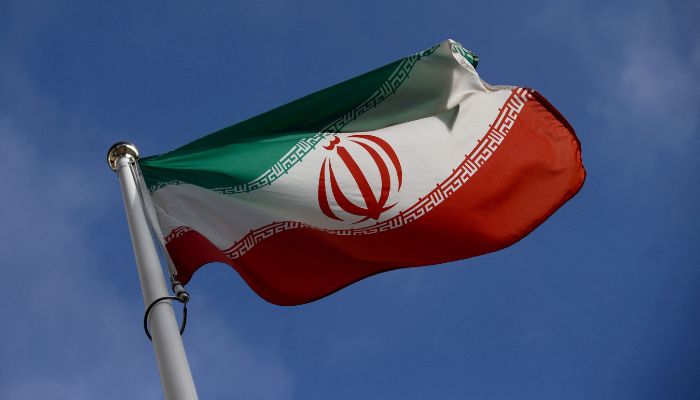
<point x="416" y="163"/>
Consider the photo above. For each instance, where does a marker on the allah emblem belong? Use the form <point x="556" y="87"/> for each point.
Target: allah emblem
<point x="343" y="156"/>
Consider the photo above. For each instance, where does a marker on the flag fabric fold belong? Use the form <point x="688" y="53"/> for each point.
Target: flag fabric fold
<point x="416" y="163"/>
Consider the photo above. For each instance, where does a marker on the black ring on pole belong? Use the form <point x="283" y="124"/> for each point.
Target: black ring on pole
<point x="158" y="300"/>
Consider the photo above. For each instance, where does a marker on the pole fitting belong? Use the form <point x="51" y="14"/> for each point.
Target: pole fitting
<point x="119" y="150"/>
<point x="179" y="291"/>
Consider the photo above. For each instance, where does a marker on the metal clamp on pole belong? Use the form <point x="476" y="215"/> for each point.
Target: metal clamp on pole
<point x="179" y="291"/>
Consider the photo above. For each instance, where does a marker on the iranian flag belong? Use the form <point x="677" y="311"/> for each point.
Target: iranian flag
<point x="416" y="163"/>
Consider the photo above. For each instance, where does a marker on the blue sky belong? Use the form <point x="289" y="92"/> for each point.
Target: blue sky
<point x="602" y="301"/>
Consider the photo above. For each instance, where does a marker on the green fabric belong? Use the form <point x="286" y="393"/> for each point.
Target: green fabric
<point x="241" y="152"/>
<point x="468" y="54"/>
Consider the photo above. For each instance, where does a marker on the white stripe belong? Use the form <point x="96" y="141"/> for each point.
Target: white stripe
<point x="429" y="150"/>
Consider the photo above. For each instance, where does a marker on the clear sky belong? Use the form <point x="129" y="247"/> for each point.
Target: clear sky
<point x="601" y="302"/>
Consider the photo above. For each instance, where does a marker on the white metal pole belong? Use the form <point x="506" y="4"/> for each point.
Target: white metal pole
<point x="175" y="375"/>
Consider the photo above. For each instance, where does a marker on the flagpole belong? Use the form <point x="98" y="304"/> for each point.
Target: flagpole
<point x="175" y="375"/>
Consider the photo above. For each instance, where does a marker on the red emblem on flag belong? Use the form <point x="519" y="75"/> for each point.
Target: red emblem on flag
<point x="375" y="196"/>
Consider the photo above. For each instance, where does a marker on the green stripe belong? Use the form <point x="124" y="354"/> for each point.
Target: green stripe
<point x="255" y="152"/>
<point x="471" y="57"/>
<point x="241" y="152"/>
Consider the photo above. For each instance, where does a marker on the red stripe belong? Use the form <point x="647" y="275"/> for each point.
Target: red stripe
<point x="535" y="170"/>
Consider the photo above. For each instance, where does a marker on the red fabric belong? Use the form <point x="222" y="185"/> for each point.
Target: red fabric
<point x="534" y="172"/>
